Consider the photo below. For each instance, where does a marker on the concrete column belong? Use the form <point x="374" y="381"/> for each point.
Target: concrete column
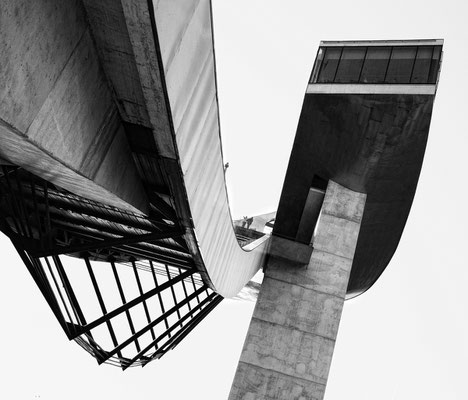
<point x="290" y="341"/>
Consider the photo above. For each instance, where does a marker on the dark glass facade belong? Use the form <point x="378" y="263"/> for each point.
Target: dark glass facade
<point x="377" y="65"/>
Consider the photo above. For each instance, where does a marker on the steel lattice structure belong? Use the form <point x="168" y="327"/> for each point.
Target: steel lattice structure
<point x="146" y="291"/>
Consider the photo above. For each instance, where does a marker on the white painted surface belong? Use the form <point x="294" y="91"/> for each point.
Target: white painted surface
<point x="185" y="37"/>
<point x="344" y="88"/>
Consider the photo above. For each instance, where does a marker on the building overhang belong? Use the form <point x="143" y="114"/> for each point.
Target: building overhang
<point x="364" y="124"/>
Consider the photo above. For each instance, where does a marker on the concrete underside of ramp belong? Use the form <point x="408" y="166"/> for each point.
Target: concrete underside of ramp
<point x="116" y="101"/>
<point x="369" y="143"/>
<point x="58" y="117"/>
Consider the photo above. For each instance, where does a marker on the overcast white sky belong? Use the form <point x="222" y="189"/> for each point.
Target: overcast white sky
<point x="407" y="337"/>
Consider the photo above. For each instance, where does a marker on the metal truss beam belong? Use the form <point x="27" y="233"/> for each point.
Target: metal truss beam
<point x="155" y="342"/>
<point x="45" y="223"/>
<point x="104" y="244"/>
<point x="134" y="302"/>
<point x="154" y="323"/>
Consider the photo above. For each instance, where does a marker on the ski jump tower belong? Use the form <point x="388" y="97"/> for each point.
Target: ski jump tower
<point x="348" y="190"/>
<point x="112" y="183"/>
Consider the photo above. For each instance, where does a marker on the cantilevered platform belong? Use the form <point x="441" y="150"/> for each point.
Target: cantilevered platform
<point x="364" y="124"/>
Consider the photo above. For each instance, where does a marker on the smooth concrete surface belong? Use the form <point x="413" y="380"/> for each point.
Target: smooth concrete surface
<point x="292" y="252"/>
<point x="310" y="215"/>
<point x="289" y="345"/>
<point x="330" y="88"/>
<point x="186" y="41"/>
<point x="58" y="118"/>
<point x="370" y="143"/>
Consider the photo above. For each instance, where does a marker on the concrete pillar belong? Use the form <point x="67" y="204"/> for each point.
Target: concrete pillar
<point x="290" y="341"/>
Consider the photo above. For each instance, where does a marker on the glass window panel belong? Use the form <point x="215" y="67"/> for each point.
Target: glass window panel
<point x="375" y="65"/>
<point x="434" y="64"/>
<point x="350" y="65"/>
<point x="422" y="65"/>
<point x="329" y="64"/>
<point x="401" y="65"/>
<point x="317" y="65"/>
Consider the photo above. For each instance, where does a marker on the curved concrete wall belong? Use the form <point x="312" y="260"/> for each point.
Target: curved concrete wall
<point x="185" y="37"/>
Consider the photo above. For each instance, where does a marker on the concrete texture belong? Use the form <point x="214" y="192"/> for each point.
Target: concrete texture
<point x="293" y="252"/>
<point x="357" y="140"/>
<point x="289" y="345"/>
<point x="58" y="118"/>
<point x="185" y="37"/>
<point x="310" y="215"/>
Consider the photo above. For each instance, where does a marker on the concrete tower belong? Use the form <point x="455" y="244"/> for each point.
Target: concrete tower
<point x="348" y="190"/>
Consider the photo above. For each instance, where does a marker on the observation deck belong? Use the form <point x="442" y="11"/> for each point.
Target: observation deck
<point x="364" y="124"/>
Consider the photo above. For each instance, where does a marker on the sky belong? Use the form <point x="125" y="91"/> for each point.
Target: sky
<point x="407" y="337"/>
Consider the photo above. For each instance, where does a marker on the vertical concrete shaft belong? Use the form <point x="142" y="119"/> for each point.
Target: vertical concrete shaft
<point x="290" y="341"/>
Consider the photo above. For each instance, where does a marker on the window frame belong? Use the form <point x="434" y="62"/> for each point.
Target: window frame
<point x="431" y="79"/>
